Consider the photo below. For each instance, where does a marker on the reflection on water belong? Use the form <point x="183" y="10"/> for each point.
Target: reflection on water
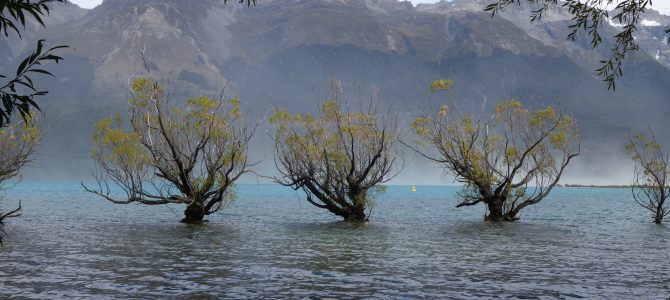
<point x="578" y="243"/>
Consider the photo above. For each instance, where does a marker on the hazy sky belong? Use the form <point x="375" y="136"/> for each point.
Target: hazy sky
<point x="660" y="5"/>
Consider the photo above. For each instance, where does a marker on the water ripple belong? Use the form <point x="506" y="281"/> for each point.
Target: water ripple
<point x="579" y="243"/>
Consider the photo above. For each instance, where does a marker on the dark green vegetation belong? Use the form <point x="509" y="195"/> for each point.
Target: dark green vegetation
<point x="591" y="16"/>
<point x="508" y="160"/>
<point x="191" y="155"/>
<point x="13" y="17"/>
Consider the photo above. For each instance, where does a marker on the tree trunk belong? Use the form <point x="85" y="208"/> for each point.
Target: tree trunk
<point x="355" y="214"/>
<point x="495" y="208"/>
<point x="496" y="213"/>
<point x="659" y="216"/>
<point x="194" y="213"/>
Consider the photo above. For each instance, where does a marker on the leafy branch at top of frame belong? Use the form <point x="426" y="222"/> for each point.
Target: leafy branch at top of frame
<point x="14" y="100"/>
<point x="588" y="16"/>
<point x="13" y="13"/>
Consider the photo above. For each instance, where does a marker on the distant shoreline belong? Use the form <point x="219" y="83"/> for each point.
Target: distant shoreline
<point x="595" y="186"/>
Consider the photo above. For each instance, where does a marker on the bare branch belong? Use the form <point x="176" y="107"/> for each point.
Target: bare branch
<point x="651" y="187"/>
<point x="500" y="155"/>
<point x="190" y="155"/>
<point x="340" y="157"/>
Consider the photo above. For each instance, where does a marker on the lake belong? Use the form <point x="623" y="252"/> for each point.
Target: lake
<point x="577" y="243"/>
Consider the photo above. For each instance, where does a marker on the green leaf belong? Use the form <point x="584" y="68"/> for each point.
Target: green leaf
<point x="22" y="67"/>
<point x="41" y="72"/>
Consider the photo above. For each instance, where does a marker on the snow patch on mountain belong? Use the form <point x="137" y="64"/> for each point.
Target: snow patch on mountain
<point x="650" y="23"/>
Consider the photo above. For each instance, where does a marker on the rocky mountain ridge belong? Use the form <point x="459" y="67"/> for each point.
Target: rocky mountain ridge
<point x="277" y="53"/>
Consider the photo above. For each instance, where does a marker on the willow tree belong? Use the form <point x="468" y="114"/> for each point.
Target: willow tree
<point x="507" y="161"/>
<point x="18" y="141"/>
<point x="590" y="16"/>
<point x="191" y="155"/>
<point x="338" y="158"/>
<point x="651" y="187"/>
<point x="18" y="92"/>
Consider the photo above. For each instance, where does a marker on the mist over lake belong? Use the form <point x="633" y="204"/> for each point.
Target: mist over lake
<point x="580" y="243"/>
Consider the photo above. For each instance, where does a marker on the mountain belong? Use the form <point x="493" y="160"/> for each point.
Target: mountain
<point x="12" y="46"/>
<point x="277" y="53"/>
<point x="553" y="28"/>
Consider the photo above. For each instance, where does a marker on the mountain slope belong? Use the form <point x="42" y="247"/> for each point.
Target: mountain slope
<point x="277" y="53"/>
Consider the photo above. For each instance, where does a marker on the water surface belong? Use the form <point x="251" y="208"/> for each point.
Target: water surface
<point x="578" y="243"/>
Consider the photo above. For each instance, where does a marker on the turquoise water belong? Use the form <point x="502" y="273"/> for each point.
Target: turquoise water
<point x="576" y="243"/>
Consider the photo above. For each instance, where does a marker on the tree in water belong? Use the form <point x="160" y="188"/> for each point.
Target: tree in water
<point x="18" y="92"/>
<point x="651" y="186"/>
<point x="507" y="161"/>
<point x="191" y="155"/>
<point x="18" y="141"/>
<point x="589" y="16"/>
<point x="339" y="158"/>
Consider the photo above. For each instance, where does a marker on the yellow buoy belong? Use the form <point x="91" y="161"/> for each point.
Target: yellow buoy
<point x="414" y="188"/>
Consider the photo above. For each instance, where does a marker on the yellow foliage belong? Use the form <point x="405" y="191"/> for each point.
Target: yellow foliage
<point x="25" y="132"/>
<point x="510" y="111"/>
<point x="419" y="126"/>
<point x="203" y="117"/>
<point x="444" y="111"/>
<point x="441" y="84"/>
<point x="330" y="110"/>
<point x="280" y="116"/>
<point x="482" y="152"/>
<point x="511" y="153"/>
<point x="202" y="104"/>
<point x="118" y="145"/>
<point x="234" y="110"/>
<point x="141" y="83"/>
<point x="559" y="139"/>
<point x="321" y="138"/>
<point x="542" y="116"/>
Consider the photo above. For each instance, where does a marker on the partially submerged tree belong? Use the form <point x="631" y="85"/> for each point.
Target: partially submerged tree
<point x="191" y="155"/>
<point x="589" y="16"/>
<point x="507" y="161"/>
<point x="651" y="187"/>
<point x="3" y="216"/>
<point x="339" y="158"/>
<point x="18" y="142"/>
<point x="18" y="93"/>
